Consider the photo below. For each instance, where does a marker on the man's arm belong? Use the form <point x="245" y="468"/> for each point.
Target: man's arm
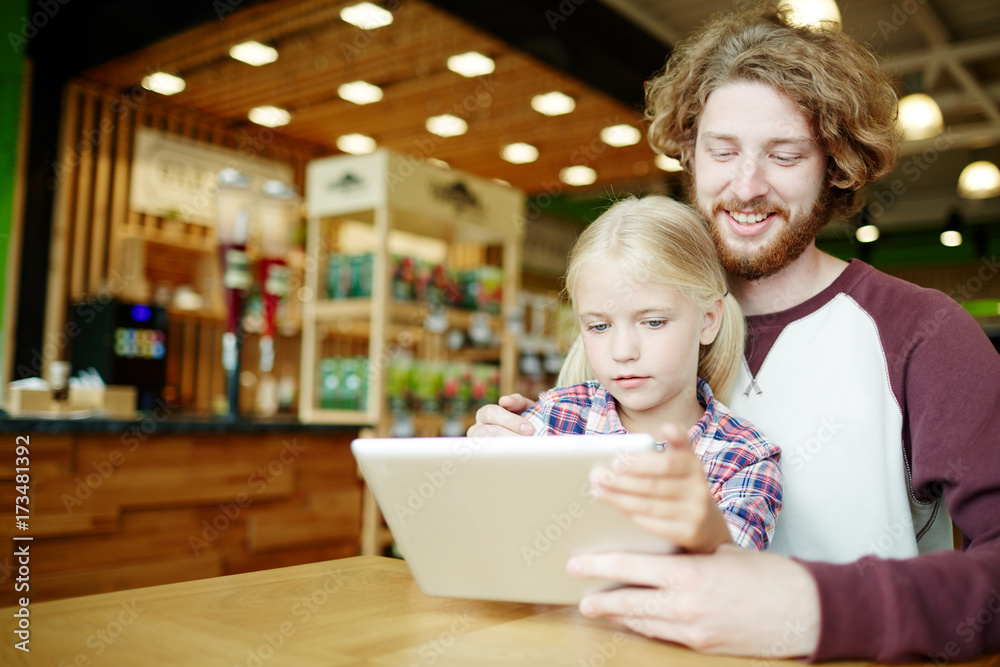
<point x="503" y="419"/>
<point x="944" y="605"/>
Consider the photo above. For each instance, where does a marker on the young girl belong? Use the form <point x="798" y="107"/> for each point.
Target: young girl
<point x="658" y="328"/>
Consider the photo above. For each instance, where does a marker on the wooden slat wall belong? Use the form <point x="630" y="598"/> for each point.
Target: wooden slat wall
<point x="111" y="511"/>
<point x="96" y="235"/>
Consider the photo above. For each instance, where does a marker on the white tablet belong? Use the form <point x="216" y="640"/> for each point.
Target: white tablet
<point x="497" y="518"/>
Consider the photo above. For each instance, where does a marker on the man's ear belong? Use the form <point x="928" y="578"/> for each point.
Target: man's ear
<point x="711" y="321"/>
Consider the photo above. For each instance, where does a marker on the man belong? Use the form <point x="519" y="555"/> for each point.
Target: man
<point x="883" y="396"/>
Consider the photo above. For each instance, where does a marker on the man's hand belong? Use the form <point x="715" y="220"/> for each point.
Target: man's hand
<point x="503" y="419"/>
<point x="733" y="601"/>
<point x="666" y="494"/>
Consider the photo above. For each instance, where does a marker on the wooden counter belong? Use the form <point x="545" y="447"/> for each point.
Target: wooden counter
<point x="358" y="611"/>
<point x="120" y="505"/>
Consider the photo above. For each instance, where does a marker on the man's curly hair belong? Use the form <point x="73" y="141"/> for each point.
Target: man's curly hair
<point x="833" y="79"/>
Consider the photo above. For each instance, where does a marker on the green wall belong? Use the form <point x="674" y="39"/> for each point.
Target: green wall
<point x="14" y="25"/>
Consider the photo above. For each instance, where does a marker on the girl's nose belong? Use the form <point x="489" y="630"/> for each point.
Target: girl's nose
<point x="624" y="347"/>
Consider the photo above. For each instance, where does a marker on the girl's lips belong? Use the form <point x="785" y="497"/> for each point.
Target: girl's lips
<point x="749" y="229"/>
<point x="630" y="382"/>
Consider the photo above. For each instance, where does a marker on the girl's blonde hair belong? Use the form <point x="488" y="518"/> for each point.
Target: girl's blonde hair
<point x="661" y="240"/>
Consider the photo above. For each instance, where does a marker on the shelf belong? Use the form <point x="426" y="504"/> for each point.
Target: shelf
<point x="415" y="205"/>
<point x="339" y="310"/>
<point x="331" y="416"/>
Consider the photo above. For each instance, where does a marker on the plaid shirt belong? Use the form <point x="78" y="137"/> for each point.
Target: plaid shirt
<point x="740" y="464"/>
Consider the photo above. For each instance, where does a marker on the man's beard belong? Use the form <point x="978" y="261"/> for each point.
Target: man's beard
<point x="791" y="241"/>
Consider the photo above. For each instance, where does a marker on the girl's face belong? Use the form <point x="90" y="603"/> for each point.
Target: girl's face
<point x="642" y="339"/>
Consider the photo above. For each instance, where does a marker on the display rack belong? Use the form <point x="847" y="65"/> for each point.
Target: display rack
<point x="392" y="195"/>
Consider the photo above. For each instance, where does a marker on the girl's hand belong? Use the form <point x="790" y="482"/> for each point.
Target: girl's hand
<point x="666" y="494"/>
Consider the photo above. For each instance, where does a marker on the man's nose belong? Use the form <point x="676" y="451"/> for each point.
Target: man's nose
<point x="749" y="182"/>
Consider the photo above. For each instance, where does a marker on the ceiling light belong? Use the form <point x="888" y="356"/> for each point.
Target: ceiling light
<point x="951" y="237"/>
<point x="356" y="144"/>
<point x="366" y="16"/>
<point x="578" y="175"/>
<point x="811" y="12"/>
<point x="867" y="233"/>
<point x="269" y="116"/>
<point x="163" y="83"/>
<point x="254" y="53"/>
<point x="553" y="104"/>
<point x="979" y="180"/>
<point x="360" y="92"/>
<point x="920" y="117"/>
<point x="446" y="125"/>
<point x="519" y="153"/>
<point x="668" y="163"/>
<point x="620" y="135"/>
<point x="471" y="64"/>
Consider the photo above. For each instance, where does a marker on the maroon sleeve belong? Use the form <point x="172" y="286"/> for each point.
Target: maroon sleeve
<point x="943" y="606"/>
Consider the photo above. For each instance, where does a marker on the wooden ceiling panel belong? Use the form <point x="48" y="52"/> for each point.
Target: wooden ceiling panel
<point x="318" y="52"/>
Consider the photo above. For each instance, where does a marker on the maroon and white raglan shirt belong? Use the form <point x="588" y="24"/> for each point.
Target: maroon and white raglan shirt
<point x="885" y="400"/>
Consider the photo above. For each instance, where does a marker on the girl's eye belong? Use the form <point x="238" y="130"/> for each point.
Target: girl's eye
<point x="722" y="155"/>
<point x="787" y="159"/>
<point x="656" y="324"/>
<point x="602" y="326"/>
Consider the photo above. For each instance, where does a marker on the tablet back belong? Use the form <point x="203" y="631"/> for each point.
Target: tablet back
<point x="497" y="518"/>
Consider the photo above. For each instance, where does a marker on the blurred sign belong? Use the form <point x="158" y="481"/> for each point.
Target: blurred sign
<point x="173" y="176"/>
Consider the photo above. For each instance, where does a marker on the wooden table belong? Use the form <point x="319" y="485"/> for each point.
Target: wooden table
<point x="356" y="611"/>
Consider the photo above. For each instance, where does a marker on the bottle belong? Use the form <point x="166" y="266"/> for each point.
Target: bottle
<point x="59" y="381"/>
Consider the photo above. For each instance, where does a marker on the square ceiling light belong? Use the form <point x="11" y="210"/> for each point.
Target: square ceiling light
<point x="356" y="144"/>
<point x="359" y="92"/>
<point x="519" y="153"/>
<point x="254" y="53"/>
<point x="553" y="104"/>
<point x="163" y="83"/>
<point x="366" y="16"/>
<point x="270" y="116"/>
<point x="446" y="125"/>
<point x="471" y="64"/>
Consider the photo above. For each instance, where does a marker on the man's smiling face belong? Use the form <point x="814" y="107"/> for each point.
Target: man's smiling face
<point x="759" y="178"/>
